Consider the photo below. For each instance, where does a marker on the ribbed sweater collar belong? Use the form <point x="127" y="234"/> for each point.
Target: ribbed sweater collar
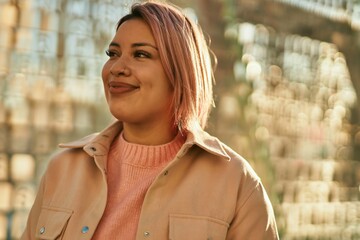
<point x="144" y="155"/>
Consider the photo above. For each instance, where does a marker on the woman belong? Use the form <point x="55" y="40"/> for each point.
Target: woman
<point x="155" y="173"/>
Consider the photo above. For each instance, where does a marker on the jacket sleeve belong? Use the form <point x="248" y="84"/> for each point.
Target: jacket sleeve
<point x="30" y="229"/>
<point x="254" y="218"/>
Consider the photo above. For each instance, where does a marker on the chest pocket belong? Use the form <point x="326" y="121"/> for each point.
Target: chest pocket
<point x="52" y="223"/>
<point x="196" y="228"/>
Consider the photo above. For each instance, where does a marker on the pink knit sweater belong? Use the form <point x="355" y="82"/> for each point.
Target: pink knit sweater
<point x="131" y="170"/>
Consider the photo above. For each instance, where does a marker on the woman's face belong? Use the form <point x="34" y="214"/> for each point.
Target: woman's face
<point x="136" y="87"/>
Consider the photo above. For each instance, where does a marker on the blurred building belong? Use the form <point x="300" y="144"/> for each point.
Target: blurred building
<point x="301" y="101"/>
<point x="51" y="55"/>
<point x="301" y="105"/>
<point x="347" y="11"/>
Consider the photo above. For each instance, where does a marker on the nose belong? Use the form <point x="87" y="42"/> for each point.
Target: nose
<point x="120" y="68"/>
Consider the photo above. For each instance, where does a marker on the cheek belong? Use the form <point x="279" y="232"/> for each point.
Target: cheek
<point x="105" y="71"/>
<point x="104" y="75"/>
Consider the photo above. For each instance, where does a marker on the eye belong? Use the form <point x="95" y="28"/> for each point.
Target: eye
<point x="110" y="53"/>
<point x="142" y="54"/>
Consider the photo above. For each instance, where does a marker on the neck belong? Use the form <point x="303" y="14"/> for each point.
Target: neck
<point x="148" y="135"/>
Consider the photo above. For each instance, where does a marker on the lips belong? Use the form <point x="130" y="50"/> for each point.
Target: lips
<point x="121" y="87"/>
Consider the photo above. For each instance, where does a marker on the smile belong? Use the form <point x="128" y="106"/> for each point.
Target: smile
<point x="121" y="87"/>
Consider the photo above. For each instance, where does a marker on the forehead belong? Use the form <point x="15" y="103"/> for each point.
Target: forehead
<point x="134" y="30"/>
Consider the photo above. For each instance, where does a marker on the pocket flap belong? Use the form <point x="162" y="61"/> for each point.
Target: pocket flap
<point x="52" y="222"/>
<point x="196" y="227"/>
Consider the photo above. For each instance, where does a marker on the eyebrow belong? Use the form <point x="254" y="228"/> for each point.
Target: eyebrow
<point x="140" y="44"/>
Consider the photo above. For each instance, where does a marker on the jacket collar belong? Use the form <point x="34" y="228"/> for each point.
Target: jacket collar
<point x="204" y="140"/>
<point x="99" y="143"/>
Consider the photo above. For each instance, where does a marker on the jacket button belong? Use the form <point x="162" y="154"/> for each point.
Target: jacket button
<point x="42" y="230"/>
<point x="84" y="229"/>
<point x="166" y="172"/>
<point x="93" y="149"/>
<point x="146" y="234"/>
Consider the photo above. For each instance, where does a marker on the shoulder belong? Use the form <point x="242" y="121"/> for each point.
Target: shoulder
<point x="244" y="174"/>
<point x="70" y="153"/>
<point x="220" y="162"/>
<point x="229" y="167"/>
<point x="66" y="161"/>
<point x="239" y="163"/>
<point x="222" y="155"/>
<point x="70" y="158"/>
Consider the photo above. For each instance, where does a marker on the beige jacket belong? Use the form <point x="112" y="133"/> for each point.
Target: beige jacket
<point x="206" y="192"/>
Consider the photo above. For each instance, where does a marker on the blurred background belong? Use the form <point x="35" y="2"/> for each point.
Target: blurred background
<point x="288" y="81"/>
